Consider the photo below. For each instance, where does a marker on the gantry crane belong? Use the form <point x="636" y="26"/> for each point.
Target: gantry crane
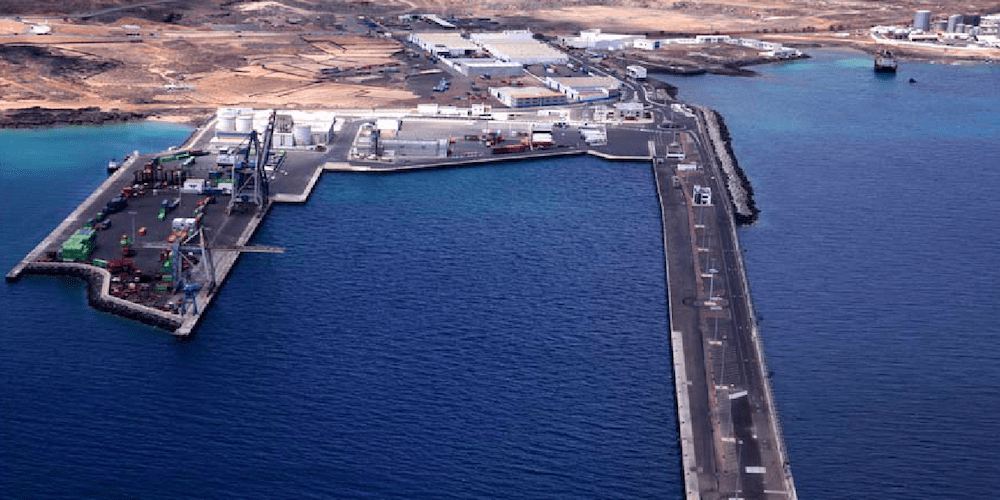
<point x="250" y="185"/>
<point x="201" y="268"/>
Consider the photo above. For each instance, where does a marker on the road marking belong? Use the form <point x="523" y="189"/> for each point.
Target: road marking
<point x="737" y="395"/>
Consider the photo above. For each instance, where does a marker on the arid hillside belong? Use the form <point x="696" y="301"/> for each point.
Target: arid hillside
<point x="185" y="57"/>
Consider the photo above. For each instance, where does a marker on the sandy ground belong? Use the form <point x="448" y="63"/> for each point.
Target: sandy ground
<point x="274" y="52"/>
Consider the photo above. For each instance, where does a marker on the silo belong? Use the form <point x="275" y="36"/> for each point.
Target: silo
<point x="922" y="20"/>
<point x="227" y="122"/>
<point x="940" y="25"/>
<point x="953" y="20"/>
<point x="302" y="135"/>
<point x="244" y="123"/>
<point x="960" y="28"/>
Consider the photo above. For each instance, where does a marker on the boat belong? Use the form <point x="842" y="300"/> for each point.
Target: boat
<point x="884" y="62"/>
<point x="112" y="166"/>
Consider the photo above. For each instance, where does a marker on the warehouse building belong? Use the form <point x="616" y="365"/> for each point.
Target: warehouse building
<point x="475" y="67"/>
<point x="585" y="88"/>
<point x="445" y="44"/>
<point x="595" y="40"/>
<point x="518" y="46"/>
<point x="519" y="97"/>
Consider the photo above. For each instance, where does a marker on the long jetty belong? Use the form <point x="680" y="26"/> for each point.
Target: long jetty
<point x="730" y="436"/>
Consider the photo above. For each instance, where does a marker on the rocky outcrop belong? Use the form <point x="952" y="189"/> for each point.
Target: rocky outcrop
<point x="38" y="117"/>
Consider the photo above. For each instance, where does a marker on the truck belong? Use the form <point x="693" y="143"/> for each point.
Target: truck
<point x="167" y="206"/>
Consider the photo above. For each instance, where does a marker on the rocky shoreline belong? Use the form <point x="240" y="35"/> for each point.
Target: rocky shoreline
<point x="39" y="117"/>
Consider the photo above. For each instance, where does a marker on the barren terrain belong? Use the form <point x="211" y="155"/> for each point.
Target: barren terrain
<point x="188" y="57"/>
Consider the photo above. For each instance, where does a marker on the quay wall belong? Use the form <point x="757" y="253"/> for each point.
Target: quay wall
<point x="740" y="189"/>
<point x="689" y="464"/>
<point x="98" y="283"/>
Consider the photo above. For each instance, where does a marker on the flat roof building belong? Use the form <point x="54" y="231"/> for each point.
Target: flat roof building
<point x="520" y="47"/>
<point x="474" y="67"/>
<point x="445" y="44"/>
<point x="585" y="88"/>
<point x="519" y="97"/>
<point x="594" y="39"/>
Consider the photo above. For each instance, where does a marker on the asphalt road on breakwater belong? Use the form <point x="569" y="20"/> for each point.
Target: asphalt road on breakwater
<point x="729" y="336"/>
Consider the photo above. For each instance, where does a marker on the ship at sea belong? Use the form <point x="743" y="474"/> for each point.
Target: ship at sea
<point x="885" y="62"/>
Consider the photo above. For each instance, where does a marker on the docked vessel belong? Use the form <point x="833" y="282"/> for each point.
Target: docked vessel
<point x="885" y="62"/>
<point x="112" y="166"/>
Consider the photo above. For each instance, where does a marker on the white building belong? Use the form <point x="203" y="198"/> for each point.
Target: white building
<point x="40" y="29"/>
<point x="445" y="44"/>
<point x="518" y="97"/>
<point x="712" y="38"/>
<point x="518" y="46"/>
<point x="595" y="40"/>
<point x="647" y="44"/>
<point x="475" y="67"/>
<point x="637" y="72"/>
<point x="584" y="88"/>
<point x="782" y="52"/>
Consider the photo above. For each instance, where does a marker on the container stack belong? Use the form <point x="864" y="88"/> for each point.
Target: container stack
<point x="79" y="246"/>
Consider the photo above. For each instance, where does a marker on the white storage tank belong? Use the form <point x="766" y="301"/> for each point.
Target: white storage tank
<point x="244" y="123"/>
<point x="226" y="123"/>
<point x="302" y="134"/>
<point x="953" y="20"/>
<point x="922" y="20"/>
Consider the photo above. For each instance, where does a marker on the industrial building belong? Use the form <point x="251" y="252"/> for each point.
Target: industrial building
<point x="922" y="20"/>
<point x="475" y="67"/>
<point x="585" y="88"/>
<point x="595" y="40"/>
<point x="519" y="97"/>
<point x="518" y="46"/>
<point x="293" y="128"/>
<point x="445" y="44"/>
<point x="637" y="72"/>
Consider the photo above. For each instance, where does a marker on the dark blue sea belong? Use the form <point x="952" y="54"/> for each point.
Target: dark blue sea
<point x="500" y="332"/>
<point x="491" y="332"/>
<point x="874" y="267"/>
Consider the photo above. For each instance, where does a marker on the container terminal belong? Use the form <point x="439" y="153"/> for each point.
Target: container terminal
<point x="155" y="242"/>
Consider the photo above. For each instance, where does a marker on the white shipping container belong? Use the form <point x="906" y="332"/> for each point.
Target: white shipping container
<point x="193" y="186"/>
<point x="182" y="224"/>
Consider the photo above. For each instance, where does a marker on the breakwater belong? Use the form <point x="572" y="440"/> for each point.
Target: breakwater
<point x="740" y="190"/>
<point x="98" y="284"/>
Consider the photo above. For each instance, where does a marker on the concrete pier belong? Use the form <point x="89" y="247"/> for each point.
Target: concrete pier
<point x="730" y="435"/>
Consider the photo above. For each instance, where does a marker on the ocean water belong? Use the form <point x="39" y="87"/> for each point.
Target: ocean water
<point x="874" y="267"/>
<point x="490" y="332"/>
